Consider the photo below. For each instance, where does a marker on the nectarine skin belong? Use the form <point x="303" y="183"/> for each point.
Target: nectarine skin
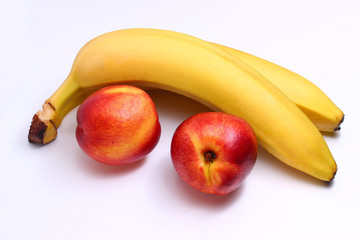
<point x="118" y="125"/>
<point x="214" y="152"/>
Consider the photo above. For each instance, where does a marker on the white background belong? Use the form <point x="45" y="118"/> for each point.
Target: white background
<point x="57" y="192"/>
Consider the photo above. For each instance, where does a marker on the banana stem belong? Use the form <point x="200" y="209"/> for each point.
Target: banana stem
<point x="63" y="99"/>
<point x="43" y="128"/>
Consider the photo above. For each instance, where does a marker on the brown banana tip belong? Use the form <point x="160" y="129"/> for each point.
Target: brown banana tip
<point x="338" y="126"/>
<point x="331" y="180"/>
<point x="37" y="130"/>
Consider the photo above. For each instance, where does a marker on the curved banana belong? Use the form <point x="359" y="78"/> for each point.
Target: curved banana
<point x="307" y="96"/>
<point x="199" y="70"/>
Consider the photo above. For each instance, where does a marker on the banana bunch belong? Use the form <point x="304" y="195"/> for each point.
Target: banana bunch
<point x="285" y="110"/>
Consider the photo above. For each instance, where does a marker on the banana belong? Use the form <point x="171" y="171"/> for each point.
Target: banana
<point x="307" y="96"/>
<point x="196" y="69"/>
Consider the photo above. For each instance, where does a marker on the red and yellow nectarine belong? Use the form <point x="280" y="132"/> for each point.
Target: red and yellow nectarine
<point x="118" y="125"/>
<point x="214" y="152"/>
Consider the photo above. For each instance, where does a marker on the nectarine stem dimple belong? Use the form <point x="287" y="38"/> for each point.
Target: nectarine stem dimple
<point x="210" y="156"/>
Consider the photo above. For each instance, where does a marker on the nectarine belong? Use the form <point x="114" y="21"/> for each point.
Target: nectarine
<point x="118" y="125"/>
<point x="214" y="152"/>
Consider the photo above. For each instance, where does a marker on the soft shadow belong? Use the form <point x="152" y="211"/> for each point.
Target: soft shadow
<point x="271" y="162"/>
<point x="175" y="106"/>
<point x="335" y="134"/>
<point x="36" y="145"/>
<point x="190" y="194"/>
<point x="180" y="191"/>
<point x="98" y="169"/>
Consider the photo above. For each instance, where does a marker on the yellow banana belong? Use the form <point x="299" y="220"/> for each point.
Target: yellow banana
<point x="307" y="96"/>
<point x="199" y="70"/>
